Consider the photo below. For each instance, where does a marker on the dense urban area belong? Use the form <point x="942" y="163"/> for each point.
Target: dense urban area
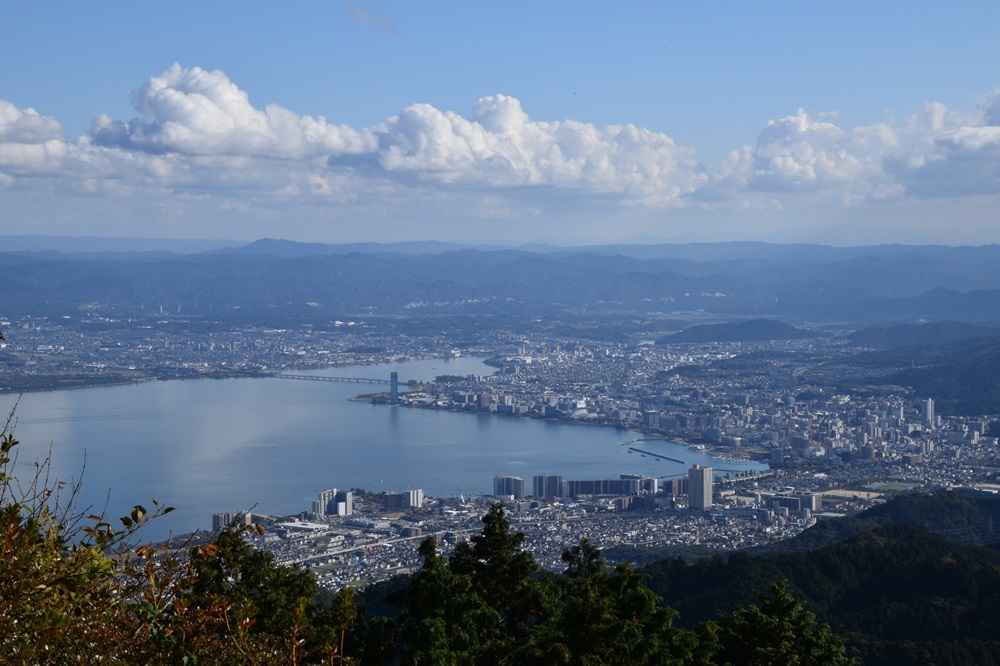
<point x="829" y="452"/>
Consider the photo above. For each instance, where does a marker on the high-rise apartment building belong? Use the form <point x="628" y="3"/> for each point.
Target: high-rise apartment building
<point x="647" y="484"/>
<point x="407" y="499"/>
<point x="603" y="487"/>
<point x="700" y="488"/>
<point x="334" y="503"/>
<point x="508" y="486"/>
<point x="226" y="518"/>
<point x="549" y="485"/>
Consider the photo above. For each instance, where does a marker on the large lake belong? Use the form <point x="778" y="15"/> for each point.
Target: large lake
<point x="205" y="446"/>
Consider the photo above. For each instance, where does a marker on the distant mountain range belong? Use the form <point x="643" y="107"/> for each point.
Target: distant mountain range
<point x="755" y="330"/>
<point x="100" y="245"/>
<point x="844" y="287"/>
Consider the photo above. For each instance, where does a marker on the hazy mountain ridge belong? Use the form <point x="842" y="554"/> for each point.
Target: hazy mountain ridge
<point x="726" y="280"/>
<point x="755" y="330"/>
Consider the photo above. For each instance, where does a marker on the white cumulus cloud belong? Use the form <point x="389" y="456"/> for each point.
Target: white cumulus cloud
<point x="948" y="154"/>
<point x="197" y="112"/>
<point x="802" y="154"/>
<point x="192" y="113"/>
<point x="27" y="126"/>
<point x="939" y="153"/>
<point x="500" y="146"/>
<point x="29" y="141"/>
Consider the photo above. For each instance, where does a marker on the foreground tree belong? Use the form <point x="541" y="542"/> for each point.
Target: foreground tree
<point x="778" y="631"/>
<point x="490" y="604"/>
<point x="507" y="578"/>
<point x="445" y="620"/>
<point x="61" y="596"/>
<point x="78" y="589"/>
<point x="280" y="599"/>
<point x="607" y="616"/>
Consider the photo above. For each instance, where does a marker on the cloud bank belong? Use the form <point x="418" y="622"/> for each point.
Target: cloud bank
<point x="499" y="147"/>
<point x="197" y="134"/>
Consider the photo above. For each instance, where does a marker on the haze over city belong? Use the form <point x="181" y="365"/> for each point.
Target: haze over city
<point x="572" y="123"/>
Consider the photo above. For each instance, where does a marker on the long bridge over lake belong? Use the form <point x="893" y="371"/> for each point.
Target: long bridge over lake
<point x="344" y="380"/>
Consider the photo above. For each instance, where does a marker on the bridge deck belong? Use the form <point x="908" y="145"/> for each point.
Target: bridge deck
<point x="348" y="380"/>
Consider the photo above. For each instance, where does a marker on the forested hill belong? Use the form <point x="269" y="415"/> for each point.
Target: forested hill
<point x="903" y="335"/>
<point x="962" y="516"/>
<point x="962" y="376"/>
<point x="965" y="383"/>
<point x="896" y="590"/>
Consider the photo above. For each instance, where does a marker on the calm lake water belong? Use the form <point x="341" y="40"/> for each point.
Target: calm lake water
<point x="205" y="446"/>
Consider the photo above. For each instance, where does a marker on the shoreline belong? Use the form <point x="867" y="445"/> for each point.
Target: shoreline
<point x="708" y="448"/>
<point x="382" y="399"/>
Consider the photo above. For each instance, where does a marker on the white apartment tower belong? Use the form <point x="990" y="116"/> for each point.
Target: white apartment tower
<point x="699" y="488"/>
<point x="334" y="503"/>
<point x="928" y="412"/>
<point x="508" y="486"/>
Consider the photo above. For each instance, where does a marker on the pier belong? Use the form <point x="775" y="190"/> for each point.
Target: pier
<point x="658" y="456"/>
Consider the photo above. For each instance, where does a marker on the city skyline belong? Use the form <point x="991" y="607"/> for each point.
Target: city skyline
<point x="364" y="121"/>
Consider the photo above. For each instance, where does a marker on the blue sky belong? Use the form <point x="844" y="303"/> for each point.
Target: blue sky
<point x="840" y="123"/>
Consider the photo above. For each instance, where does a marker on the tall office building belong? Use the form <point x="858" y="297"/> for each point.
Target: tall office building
<point x="549" y="485"/>
<point x="700" y="488"/>
<point x="394" y="388"/>
<point x="508" y="486"/>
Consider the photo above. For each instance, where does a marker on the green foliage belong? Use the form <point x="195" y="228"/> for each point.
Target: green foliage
<point x="778" y="631"/>
<point x="277" y="598"/>
<point x="966" y="517"/>
<point x="489" y="604"/>
<point x="962" y="376"/>
<point x="882" y="589"/>
<point x="503" y="572"/>
<point x="445" y="620"/>
<point x="78" y="589"/>
<point x="607" y="616"/>
<point x="62" y="592"/>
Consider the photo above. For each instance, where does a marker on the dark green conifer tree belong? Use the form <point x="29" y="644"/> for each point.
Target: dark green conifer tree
<point x="778" y="631"/>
